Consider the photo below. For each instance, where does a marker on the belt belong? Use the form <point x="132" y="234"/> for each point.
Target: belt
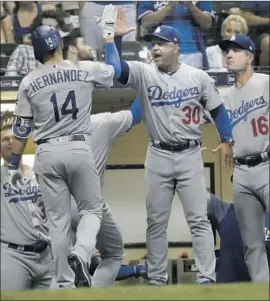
<point x="71" y="138"/>
<point x="253" y="160"/>
<point x="175" y="147"/>
<point x="37" y="247"/>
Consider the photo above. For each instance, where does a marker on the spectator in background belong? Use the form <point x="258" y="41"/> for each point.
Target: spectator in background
<point x="7" y="8"/>
<point x="89" y="10"/>
<point x="19" y="24"/>
<point x="233" y="24"/>
<point x="71" y="7"/>
<point x="22" y="60"/>
<point x="257" y="16"/>
<point x="59" y="19"/>
<point x="2" y="11"/>
<point x="188" y="18"/>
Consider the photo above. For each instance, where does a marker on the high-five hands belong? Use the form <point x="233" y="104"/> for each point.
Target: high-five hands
<point x="108" y="21"/>
<point x="121" y="28"/>
<point x="113" y="22"/>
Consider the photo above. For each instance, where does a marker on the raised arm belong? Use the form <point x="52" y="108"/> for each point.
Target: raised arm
<point x="249" y="9"/>
<point x="123" y="78"/>
<point x="108" y="22"/>
<point x="253" y="20"/>
<point x="201" y="15"/>
<point x="149" y="18"/>
<point x="120" y="31"/>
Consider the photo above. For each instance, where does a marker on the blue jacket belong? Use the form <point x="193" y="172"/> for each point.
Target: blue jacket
<point x="231" y="264"/>
<point x="190" y="33"/>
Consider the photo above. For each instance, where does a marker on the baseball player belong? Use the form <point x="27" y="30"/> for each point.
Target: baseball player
<point x="26" y="258"/>
<point x="105" y="128"/>
<point x="173" y="97"/>
<point x="247" y="102"/>
<point x="56" y="100"/>
<point x="231" y="266"/>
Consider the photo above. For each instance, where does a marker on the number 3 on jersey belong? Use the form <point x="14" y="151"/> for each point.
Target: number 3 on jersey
<point x="70" y="100"/>
<point x="192" y="114"/>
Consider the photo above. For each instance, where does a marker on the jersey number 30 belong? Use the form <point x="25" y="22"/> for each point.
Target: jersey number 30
<point x="192" y="115"/>
<point x="70" y="101"/>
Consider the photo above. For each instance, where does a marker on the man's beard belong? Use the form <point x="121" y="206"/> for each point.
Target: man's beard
<point x="89" y="58"/>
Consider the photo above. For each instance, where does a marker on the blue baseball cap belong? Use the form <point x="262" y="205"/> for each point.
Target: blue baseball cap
<point x="166" y="33"/>
<point x="239" y="41"/>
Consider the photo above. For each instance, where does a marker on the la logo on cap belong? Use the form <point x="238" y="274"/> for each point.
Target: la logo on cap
<point x="233" y="38"/>
<point x="157" y="30"/>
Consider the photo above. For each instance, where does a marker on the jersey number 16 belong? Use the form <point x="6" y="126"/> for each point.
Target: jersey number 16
<point x="260" y="126"/>
<point x="70" y="99"/>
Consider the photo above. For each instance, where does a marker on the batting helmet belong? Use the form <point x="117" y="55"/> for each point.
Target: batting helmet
<point x="45" y="38"/>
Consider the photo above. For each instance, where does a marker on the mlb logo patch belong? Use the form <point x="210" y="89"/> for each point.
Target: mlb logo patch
<point x="106" y="69"/>
<point x="233" y="38"/>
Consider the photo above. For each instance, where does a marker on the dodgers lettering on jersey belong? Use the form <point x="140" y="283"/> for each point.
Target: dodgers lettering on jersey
<point x="23" y="217"/>
<point x="59" y="97"/>
<point x="248" y="109"/>
<point x="161" y="98"/>
<point x="173" y="105"/>
<point x="106" y="128"/>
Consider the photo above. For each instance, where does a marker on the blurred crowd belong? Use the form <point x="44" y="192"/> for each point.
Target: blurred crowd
<point x="202" y="24"/>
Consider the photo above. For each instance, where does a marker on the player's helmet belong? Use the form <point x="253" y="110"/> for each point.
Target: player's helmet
<point x="45" y="38"/>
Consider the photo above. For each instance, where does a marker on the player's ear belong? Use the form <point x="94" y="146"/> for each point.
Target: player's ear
<point x="251" y="57"/>
<point x="176" y="49"/>
<point x="72" y="49"/>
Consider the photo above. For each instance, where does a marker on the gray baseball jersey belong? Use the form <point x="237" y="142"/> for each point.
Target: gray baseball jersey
<point x="172" y="105"/>
<point x="23" y="218"/>
<point x="67" y="109"/>
<point x="248" y="108"/>
<point x="107" y="127"/>
<point x="249" y="112"/>
<point x="173" y="108"/>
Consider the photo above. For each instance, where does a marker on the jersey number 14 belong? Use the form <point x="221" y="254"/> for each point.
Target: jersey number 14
<point x="69" y="102"/>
